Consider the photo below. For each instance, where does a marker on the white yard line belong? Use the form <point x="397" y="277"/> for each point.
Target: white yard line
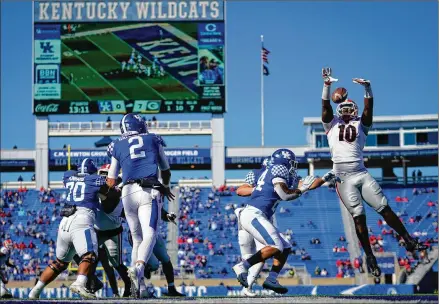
<point x="114" y="59"/>
<point x="78" y="88"/>
<point x="96" y="72"/>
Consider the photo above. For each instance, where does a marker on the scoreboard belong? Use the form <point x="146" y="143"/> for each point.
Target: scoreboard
<point x="111" y="57"/>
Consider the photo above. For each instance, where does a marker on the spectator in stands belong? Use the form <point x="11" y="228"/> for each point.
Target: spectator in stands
<point x="414" y="176"/>
<point x="20" y="179"/>
<point x="324" y="272"/>
<point x="108" y="122"/>
<point x="14" y="147"/>
<point x="317" y="271"/>
<point x="415" y="191"/>
<point x="33" y="177"/>
<point x="154" y="122"/>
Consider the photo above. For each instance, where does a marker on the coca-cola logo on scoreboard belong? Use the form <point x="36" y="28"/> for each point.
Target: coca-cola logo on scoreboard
<point x="49" y="108"/>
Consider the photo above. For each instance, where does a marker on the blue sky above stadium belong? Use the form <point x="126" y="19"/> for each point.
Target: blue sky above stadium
<point x="394" y="44"/>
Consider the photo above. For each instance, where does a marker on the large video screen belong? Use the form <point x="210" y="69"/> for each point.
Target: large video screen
<point x="130" y="66"/>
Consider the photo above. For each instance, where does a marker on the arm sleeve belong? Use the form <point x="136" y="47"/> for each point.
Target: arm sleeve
<point x="285" y="196"/>
<point x="329" y="125"/>
<point x="114" y="168"/>
<point x="250" y="179"/>
<point x="163" y="160"/>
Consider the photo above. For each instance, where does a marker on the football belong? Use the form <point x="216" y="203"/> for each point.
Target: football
<point x="339" y="95"/>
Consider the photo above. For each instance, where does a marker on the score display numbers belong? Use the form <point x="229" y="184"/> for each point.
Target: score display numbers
<point x="144" y="57"/>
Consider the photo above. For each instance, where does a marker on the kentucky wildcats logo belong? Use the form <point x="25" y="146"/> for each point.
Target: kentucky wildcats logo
<point x="286" y="154"/>
<point x="47" y="51"/>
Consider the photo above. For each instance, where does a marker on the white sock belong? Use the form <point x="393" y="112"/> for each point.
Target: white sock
<point x="81" y="279"/>
<point x="253" y="273"/>
<point x="40" y="285"/>
<point x="272" y="276"/>
<point x="140" y="269"/>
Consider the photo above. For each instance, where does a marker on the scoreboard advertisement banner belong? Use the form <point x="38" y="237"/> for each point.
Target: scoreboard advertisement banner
<point x="111" y="57"/>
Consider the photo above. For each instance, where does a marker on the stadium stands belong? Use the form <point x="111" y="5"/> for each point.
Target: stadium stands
<point x="207" y="242"/>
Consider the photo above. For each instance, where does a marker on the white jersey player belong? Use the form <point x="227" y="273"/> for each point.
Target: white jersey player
<point x="347" y="134"/>
<point x="5" y="254"/>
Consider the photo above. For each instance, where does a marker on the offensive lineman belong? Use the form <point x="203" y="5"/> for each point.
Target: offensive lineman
<point x="347" y="134"/>
<point x="272" y="186"/>
<point x="139" y="154"/>
<point x="76" y="233"/>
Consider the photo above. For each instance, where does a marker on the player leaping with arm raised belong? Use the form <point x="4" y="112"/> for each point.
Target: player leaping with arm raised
<point x="347" y="134"/>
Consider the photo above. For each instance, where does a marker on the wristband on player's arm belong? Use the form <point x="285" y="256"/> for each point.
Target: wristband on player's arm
<point x="368" y="91"/>
<point x="326" y="92"/>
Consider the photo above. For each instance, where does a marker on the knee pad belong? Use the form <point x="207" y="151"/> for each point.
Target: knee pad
<point x="58" y="266"/>
<point x="384" y="210"/>
<point x="89" y="257"/>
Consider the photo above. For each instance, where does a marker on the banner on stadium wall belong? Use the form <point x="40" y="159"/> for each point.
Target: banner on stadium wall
<point x="222" y="291"/>
<point x="128" y="10"/>
<point x="387" y="264"/>
<point x="254" y="160"/>
<point x="17" y="163"/>
<point x="386" y="153"/>
<point x="184" y="156"/>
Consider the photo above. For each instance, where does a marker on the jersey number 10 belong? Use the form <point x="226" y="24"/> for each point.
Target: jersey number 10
<point x="348" y="133"/>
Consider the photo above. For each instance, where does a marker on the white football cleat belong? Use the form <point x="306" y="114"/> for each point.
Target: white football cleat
<point x="248" y="292"/>
<point x="132" y="273"/>
<point x="81" y="291"/>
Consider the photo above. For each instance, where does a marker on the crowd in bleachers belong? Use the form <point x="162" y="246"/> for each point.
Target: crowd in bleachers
<point x="207" y="240"/>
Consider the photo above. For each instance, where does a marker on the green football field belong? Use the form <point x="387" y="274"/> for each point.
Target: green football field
<point x="91" y="70"/>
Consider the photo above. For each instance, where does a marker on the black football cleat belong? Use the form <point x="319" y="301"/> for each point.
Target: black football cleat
<point x="172" y="292"/>
<point x="372" y="266"/>
<point x="413" y="245"/>
<point x="127" y="290"/>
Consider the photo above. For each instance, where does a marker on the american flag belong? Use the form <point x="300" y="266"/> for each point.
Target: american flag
<point x="264" y="54"/>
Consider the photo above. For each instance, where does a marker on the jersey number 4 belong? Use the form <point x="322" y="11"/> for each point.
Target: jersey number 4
<point x="261" y="181"/>
<point x="348" y="133"/>
<point x="134" y="146"/>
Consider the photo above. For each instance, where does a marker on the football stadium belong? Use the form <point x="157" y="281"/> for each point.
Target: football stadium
<point x="131" y="178"/>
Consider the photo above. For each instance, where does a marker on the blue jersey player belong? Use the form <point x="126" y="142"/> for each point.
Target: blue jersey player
<point x="140" y="155"/>
<point x="271" y="186"/>
<point x="76" y="233"/>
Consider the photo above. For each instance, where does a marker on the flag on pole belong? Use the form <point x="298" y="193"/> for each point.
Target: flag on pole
<point x="264" y="54"/>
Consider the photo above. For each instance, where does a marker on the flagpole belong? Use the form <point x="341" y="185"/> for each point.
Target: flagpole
<point x="262" y="93"/>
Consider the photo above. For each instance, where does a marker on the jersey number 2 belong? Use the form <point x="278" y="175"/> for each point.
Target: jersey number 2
<point x="133" y="147"/>
<point x="347" y="134"/>
<point x="261" y="181"/>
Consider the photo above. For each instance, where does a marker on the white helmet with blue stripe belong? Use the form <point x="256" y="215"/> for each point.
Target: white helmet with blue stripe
<point x="87" y="167"/>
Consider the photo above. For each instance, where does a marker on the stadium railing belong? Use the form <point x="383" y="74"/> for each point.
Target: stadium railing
<point x="113" y="127"/>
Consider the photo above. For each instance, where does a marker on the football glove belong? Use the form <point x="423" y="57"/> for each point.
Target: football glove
<point x="171" y="217"/>
<point x="326" y="74"/>
<point x="361" y="81"/>
<point x="330" y="177"/>
<point x="306" y="183"/>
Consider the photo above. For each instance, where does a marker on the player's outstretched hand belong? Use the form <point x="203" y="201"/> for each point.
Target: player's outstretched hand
<point x="326" y="74"/>
<point x="330" y="177"/>
<point x="307" y="183"/>
<point x="361" y="81"/>
<point x="168" y="194"/>
<point x="171" y="217"/>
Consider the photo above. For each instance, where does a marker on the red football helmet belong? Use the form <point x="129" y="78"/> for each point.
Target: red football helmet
<point x="103" y="170"/>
